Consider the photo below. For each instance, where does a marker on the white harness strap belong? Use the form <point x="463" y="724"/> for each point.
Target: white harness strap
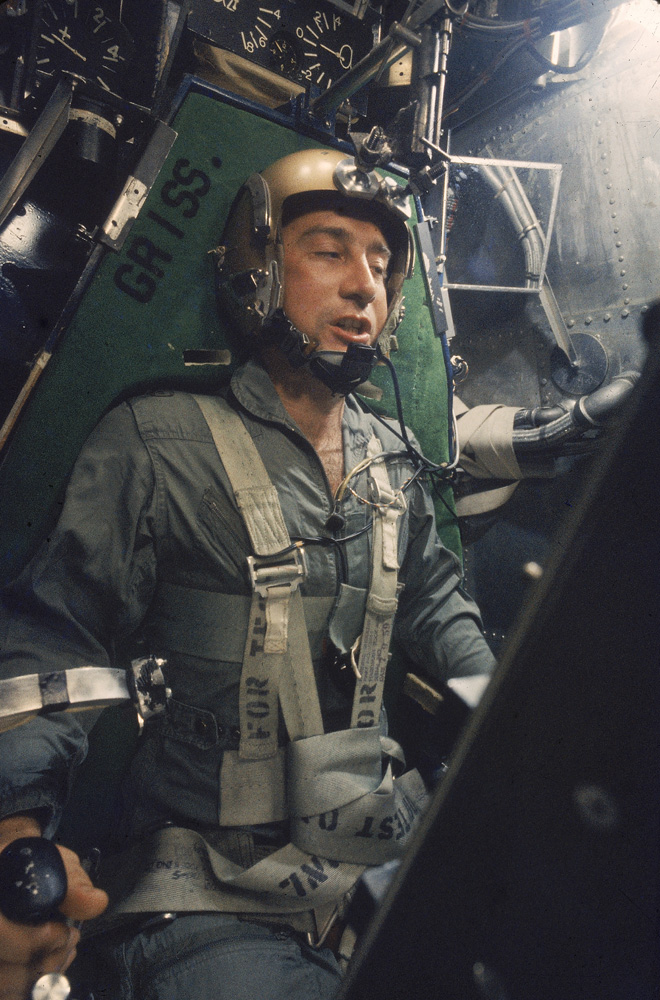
<point x="382" y="597"/>
<point x="276" y="599"/>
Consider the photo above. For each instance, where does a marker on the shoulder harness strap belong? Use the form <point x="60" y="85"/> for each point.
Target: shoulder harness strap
<point x="276" y="629"/>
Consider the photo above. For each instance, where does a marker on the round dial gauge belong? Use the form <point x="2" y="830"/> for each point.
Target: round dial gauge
<point x="80" y="37"/>
<point x="284" y="53"/>
<point x="329" y="47"/>
<point x="309" y="44"/>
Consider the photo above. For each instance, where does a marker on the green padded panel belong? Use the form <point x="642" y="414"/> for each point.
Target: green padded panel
<point x="118" y="344"/>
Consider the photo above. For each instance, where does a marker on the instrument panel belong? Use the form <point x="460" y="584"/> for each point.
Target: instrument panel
<point x="309" y="44"/>
<point x="112" y="47"/>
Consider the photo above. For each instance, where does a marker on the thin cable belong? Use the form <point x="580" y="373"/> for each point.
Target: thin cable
<point x="399" y="409"/>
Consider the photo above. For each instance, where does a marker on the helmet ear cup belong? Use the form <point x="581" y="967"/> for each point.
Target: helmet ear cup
<point x="247" y="271"/>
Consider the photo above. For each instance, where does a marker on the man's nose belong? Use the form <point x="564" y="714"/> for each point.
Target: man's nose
<point x="360" y="281"/>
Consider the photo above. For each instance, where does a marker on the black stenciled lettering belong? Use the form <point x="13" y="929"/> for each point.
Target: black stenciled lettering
<point x="141" y="287"/>
<point x="295" y="882"/>
<point x="256" y="685"/>
<point x="159" y="865"/>
<point x="258" y="733"/>
<point x="386" y="829"/>
<point x="367" y="693"/>
<point x="366" y="829"/>
<point x="145" y="253"/>
<point x="258" y="709"/>
<point x="181" y="873"/>
<point x="258" y="634"/>
<point x="406" y="812"/>
<point x="366" y="718"/>
<point x="179" y="174"/>
<point x="412" y="809"/>
<point x="402" y="823"/>
<point x="315" y="873"/>
<point x="329" y="824"/>
<point x="166" y="224"/>
<point x="182" y="176"/>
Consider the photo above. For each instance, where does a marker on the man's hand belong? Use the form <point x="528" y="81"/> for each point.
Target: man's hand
<point x="28" y="952"/>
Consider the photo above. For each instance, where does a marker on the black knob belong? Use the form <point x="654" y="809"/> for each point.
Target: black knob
<point x="32" y="881"/>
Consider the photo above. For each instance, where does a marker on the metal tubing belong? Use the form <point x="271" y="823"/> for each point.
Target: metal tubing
<point x="431" y="75"/>
<point x="556" y="321"/>
<point x="445" y="46"/>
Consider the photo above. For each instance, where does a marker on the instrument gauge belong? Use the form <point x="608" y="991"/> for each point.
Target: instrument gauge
<point x="80" y="37"/>
<point x="330" y="46"/>
<point x="309" y="44"/>
<point x="284" y="53"/>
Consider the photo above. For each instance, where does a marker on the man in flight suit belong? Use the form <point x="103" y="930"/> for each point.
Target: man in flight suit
<point x="153" y="542"/>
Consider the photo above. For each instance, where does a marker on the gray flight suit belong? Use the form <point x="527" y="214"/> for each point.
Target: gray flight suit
<point x="149" y="513"/>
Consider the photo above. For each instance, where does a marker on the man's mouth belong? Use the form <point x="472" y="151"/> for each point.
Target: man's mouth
<point x="355" y="327"/>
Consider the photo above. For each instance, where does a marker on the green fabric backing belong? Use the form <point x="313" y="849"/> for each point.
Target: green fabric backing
<point x="117" y="346"/>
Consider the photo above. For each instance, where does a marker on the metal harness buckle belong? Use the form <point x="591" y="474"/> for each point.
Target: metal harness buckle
<point x="269" y="572"/>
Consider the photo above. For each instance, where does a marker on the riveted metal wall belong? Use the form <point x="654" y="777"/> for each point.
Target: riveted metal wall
<point x="602" y="124"/>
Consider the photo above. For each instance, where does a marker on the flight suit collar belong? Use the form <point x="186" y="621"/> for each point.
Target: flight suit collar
<point x="254" y="390"/>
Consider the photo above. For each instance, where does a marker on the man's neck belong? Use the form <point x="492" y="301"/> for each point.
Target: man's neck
<point x="316" y="410"/>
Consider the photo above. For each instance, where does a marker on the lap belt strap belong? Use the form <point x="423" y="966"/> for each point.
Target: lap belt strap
<point x="23" y="697"/>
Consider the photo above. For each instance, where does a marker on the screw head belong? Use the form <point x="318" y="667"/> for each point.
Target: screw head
<point x="596" y="806"/>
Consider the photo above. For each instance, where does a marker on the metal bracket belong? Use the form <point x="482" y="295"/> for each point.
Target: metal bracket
<point x="126" y="209"/>
<point x="146" y="685"/>
<point x="438" y="292"/>
<point x="38" y="145"/>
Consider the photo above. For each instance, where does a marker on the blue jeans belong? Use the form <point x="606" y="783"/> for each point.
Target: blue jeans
<point x="205" y="956"/>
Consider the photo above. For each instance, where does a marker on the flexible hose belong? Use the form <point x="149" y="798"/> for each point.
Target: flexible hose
<point x="539" y="415"/>
<point x="595" y="409"/>
<point x="589" y="411"/>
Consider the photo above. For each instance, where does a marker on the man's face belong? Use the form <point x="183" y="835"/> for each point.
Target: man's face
<point x="335" y="272"/>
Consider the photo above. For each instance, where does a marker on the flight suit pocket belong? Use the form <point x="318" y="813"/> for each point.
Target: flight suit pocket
<point x="195" y="727"/>
<point x="222" y="530"/>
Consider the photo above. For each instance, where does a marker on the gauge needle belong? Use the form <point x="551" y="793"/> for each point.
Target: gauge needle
<point x="331" y="51"/>
<point x="345" y="59"/>
<point x="56" y="38"/>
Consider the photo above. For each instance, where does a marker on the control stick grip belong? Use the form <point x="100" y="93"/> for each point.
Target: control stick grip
<point x="33" y="881"/>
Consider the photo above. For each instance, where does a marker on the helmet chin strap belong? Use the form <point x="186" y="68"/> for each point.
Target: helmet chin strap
<point x="341" y="371"/>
